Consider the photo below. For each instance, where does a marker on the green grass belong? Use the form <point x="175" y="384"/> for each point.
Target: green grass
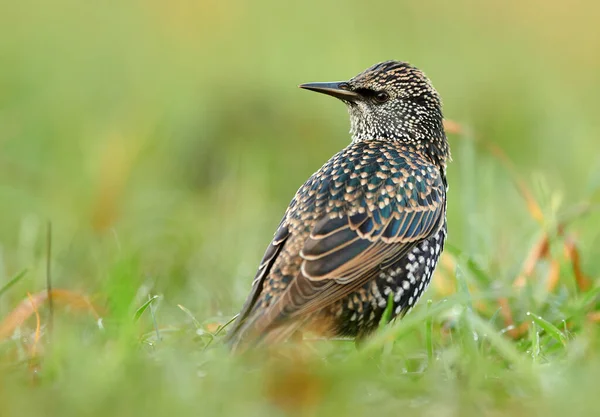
<point x="163" y="143"/>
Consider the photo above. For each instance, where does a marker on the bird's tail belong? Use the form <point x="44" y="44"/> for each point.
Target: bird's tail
<point x="249" y="333"/>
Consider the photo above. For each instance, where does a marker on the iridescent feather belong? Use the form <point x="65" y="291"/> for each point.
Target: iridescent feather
<point x="370" y="223"/>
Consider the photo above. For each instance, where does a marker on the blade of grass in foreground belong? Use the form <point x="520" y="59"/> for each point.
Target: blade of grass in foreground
<point x="502" y="345"/>
<point x="587" y="299"/>
<point x="190" y="315"/>
<point x="144" y="307"/>
<point x="387" y="313"/>
<point x="429" y="334"/>
<point x="406" y="325"/>
<point x="535" y="343"/>
<point x="472" y="266"/>
<point x="549" y="328"/>
<point x="12" y="282"/>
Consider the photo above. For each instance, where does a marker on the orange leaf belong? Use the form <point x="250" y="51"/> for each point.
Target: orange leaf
<point x="30" y="306"/>
<point x="38" y="325"/>
<point x="539" y="251"/>
<point x="33" y="363"/>
<point x="505" y="311"/>
<point x="506" y="314"/>
<point x="572" y="254"/>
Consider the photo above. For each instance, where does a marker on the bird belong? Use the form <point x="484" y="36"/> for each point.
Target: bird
<point x="364" y="233"/>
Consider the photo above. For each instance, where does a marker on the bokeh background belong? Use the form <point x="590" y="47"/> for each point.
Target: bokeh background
<point x="164" y="140"/>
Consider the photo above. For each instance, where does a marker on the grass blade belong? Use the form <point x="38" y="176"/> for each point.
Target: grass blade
<point x="144" y="307"/>
<point x="535" y="343"/>
<point x="429" y="334"/>
<point x="500" y="343"/>
<point x="227" y="323"/>
<point x="471" y="265"/>
<point x="406" y="325"/>
<point x="387" y="313"/>
<point x="190" y="315"/>
<point x="549" y="328"/>
<point x="587" y="298"/>
<point x="12" y="282"/>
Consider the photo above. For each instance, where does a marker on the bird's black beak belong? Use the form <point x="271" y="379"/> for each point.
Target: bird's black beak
<point x="337" y="89"/>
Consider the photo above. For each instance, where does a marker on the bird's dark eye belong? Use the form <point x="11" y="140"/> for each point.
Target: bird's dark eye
<point x="382" y="97"/>
<point x="373" y="95"/>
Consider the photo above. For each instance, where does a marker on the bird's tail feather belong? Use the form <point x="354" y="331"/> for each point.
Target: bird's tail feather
<point x="249" y="335"/>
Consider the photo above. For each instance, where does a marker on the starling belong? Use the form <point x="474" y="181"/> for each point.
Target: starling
<point x="365" y="230"/>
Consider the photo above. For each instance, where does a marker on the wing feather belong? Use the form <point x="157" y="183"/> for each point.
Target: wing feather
<point x="342" y="253"/>
<point x="368" y="214"/>
<point x="273" y="250"/>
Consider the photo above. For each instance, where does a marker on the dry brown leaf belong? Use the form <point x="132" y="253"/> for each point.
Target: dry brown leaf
<point x="34" y="365"/>
<point x="572" y="254"/>
<point x="38" y="325"/>
<point x="30" y="305"/>
<point x="539" y="251"/>
<point x="505" y="311"/>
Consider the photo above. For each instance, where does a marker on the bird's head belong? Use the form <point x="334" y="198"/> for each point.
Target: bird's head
<point x="392" y="100"/>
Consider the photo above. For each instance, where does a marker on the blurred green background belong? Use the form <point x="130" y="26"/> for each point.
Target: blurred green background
<point x="164" y="140"/>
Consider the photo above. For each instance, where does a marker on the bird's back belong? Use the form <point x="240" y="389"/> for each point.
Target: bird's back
<point x="345" y="242"/>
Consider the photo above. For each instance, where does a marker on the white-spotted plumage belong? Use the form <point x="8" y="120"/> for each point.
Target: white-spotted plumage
<point x="368" y="227"/>
<point x="407" y="280"/>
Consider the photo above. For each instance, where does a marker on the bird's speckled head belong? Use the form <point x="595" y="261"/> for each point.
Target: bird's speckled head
<point x="393" y="100"/>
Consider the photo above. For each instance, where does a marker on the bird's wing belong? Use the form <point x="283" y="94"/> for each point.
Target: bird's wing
<point x="392" y="211"/>
<point x="273" y="250"/>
